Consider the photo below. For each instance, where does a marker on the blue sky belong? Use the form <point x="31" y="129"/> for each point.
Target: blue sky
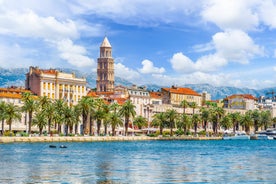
<point x="165" y="42"/>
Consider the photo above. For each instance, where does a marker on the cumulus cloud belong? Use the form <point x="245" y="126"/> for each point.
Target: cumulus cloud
<point x="148" y="68"/>
<point x="267" y="13"/>
<point x="74" y="54"/>
<point x="125" y="72"/>
<point x="236" y="45"/>
<point x="234" y="14"/>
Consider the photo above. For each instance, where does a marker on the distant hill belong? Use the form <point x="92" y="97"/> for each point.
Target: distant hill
<point x="16" y="77"/>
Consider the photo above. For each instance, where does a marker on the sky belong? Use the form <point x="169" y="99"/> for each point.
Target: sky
<point x="164" y="42"/>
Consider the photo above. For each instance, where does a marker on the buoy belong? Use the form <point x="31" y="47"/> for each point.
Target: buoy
<point x="53" y="146"/>
<point x="63" y="146"/>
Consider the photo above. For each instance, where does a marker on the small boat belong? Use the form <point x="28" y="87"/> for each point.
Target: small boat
<point x="52" y="146"/>
<point x="63" y="146"/>
<point x="236" y="136"/>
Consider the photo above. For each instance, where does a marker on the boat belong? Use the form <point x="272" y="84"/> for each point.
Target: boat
<point x="268" y="132"/>
<point x="63" y="146"/>
<point x="52" y="146"/>
<point x="236" y="136"/>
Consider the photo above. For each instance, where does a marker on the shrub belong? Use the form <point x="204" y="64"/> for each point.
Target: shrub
<point x="8" y="133"/>
<point x="166" y="133"/>
<point x="179" y="132"/>
<point x="202" y="133"/>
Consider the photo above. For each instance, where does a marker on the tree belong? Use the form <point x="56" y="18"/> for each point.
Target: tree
<point x="29" y="107"/>
<point x="171" y="117"/>
<point x="266" y="119"/>
<point x="227" y="122"/>
<point x="115" y="121"/>
<point x="99" y="113"/>
<point x="40" y="120"/>
<point x="50" y="113"/>
<point x="246" y="121"/>
<point x="159" y="120"/>
<point x="195" y="120"/>
<point x="184" y="122"/>
<point x="12" y="113"/>
<point x="69" y="118"/>
<point x="3" y="107"/>
<point x="184" y="104"/>
<point x="59" y="115"/>
<point x="140" y="121"/>
<point x="235" y="118"/>
<point x="205" y="116"/>
<point x="127" y="111"/>
<point x="216" y="115"/>
<point x="193" y="105"/>
<point x="86" y="105"/>
<point x="256" y="118"/>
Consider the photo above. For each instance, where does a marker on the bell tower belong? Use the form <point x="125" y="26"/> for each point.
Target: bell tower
<point x="105" y="68"/>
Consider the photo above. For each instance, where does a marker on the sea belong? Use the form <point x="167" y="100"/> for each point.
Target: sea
<point x="178" y="161"/>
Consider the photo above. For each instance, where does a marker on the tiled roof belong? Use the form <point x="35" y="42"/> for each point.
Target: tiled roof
<point x="105" y="93"/>
<point x="184" y="91"/>
<point x="12" y="92"/>
<point x="247" y="96"/>
<point x="10" y="95"/>
<point x="155" y="95"/>
<point x="120" y="101"/>
<point x="92" y="94"/>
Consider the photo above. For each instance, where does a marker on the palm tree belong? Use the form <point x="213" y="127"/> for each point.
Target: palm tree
<point x="195" y="120"/>
<point x="216" y="114"/>
<point x="184" y="104"/>
<point x="235" y="118"/>
<point x="227" y="121"/>
<point x="29" y="107"/>
<point x="12" y="113"/>
<point x="86" y="105"/>
<point x="193" y="105"/>
<point x="205" y="116"/>
<point x="115" y="121"/>
<point x="77" y="112"/>
<point x="50" y="112"/>
<point x="256" y="118"/>
<point x="171" y="117"/>
<point x="106" y="111"/>
<point x="127" y="111"/>
<point x="159" y="120"/>
<point x="69" y="118"/>
<point x="40" y="120"/>
<point x="140" y="121"/>
<point x="246" y="121"/>
<point x="3" y="107"/>
<point x="59" y="115"/>
<point x="266" y="119"/>
<point x="43" y="102"/>
<point x="99" y="114"/>
<point x="185" y="122"/>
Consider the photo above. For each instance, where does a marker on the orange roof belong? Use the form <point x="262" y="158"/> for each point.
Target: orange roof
<point x="105" y="93"/>
<point x="247" y="96"/>
<point x="13" y="90"/>
<point x="10" y="95"/>
<point x="50" y="71"/>
<point x="92" y="94"/>
<point x="120" y="101"/>
<point x="155" y="95"/>
<point x="184" y="91"/>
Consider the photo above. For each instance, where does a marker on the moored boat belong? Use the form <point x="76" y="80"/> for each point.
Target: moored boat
<point x="236" y="136"/>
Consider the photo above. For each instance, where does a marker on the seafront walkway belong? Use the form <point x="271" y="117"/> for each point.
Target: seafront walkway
<point x="97" y="138"/>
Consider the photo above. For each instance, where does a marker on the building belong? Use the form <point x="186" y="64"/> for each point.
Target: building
<point x="206" y="97"/>
<point x="56" y="85"/>
<point x="175" y="95"/>
<point x="105" y="68"/>
<point x="140" y="97"/>
<point x="241" y="101"/>
<point x="13" y="95"/>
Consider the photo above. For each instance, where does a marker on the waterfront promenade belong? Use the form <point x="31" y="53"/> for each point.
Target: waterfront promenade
<point x="97" y="139"/>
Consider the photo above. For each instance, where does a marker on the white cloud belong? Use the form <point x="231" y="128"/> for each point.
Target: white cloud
<point x="29" y="24"/>
<point x="74" y="54"/>
<point x="235" y="45"/>
<point x="125" y="72"/>
<point x="267" y="13"/>
<point x="182" y="63"/>
<point x="234" y="14"/>
<point x="148" y="67"/>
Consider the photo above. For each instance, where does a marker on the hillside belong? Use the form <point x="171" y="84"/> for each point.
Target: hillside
<point x="16" y="77"/>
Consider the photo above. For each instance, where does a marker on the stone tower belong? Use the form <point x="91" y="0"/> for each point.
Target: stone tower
<point x="105" y="68"/>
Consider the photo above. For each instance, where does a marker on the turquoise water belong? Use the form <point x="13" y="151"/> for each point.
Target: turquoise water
<point x="140" y="162"/>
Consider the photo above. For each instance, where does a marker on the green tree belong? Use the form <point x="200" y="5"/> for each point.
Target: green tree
<point x="140" y="121"/>
<point x="159" y="120"/>
<point x="59" y="115"/>
<point x="12" y="113"/>
<point x="266" y="119"/>
<point x="246" y="122"/>
<point x="99" y="114"/>
<point x="205" y="116"/>
<point x="235" y="117"/>
<point x="40" y="120"/>
<point x="257" y="119"/>
<point x="216" y="114"/>
<point x="172" y="116"/>
<point x="127" y="111"/>
<point x="50" y="113"/>
<point x="195" y="119"/>
<point x="29" y="107"/>
<point x="86" y="105"/>
<point x="115" y="121"/>
<point x="193" y="105"/>
<point x="227" y="122"/>
<point x="3" y="107"/>
<point x="184" y="104"/>
<point x="69" y="118"/>
<point x="184" y="122"/>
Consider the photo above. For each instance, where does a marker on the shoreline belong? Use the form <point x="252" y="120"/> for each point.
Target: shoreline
<point x="96" y="139"/>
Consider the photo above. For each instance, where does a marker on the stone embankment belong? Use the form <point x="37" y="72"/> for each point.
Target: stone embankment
<point x="97" y="139"/>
